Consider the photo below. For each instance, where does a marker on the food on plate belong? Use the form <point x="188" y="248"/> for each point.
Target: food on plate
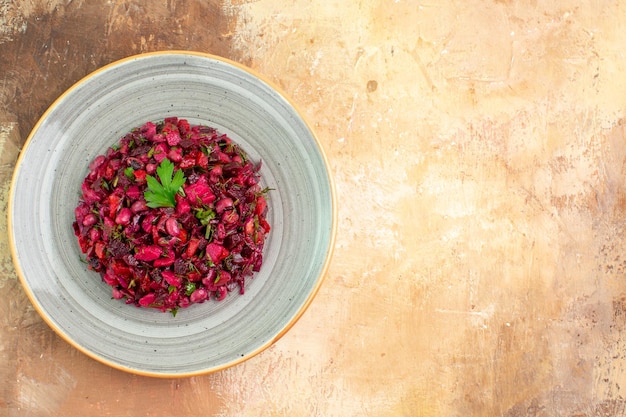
<point x="173" y="215"/>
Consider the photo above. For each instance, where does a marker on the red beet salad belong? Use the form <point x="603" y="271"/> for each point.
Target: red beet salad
<point x="172" y="215"/>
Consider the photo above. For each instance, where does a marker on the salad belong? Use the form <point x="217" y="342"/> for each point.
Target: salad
<point x="172" y="215"/>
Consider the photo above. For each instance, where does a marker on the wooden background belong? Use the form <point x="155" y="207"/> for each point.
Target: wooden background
<point x="478" y="148"/>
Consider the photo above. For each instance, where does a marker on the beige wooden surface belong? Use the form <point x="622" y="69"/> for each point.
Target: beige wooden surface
<point x="479" y="154"/>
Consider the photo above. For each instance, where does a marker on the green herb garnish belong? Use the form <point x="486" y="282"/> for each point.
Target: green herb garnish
<point x="190" y="287"/>
<point x="205" y="215"/>
<point x="161" y="194"/>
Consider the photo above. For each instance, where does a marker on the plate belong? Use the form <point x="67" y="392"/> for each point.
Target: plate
<point x="93" y="115"/>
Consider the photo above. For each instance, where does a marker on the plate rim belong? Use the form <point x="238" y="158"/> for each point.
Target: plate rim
<point x="309" y="299"/>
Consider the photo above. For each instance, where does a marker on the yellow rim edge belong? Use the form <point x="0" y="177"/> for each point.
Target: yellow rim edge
<point x="260" y="349"/>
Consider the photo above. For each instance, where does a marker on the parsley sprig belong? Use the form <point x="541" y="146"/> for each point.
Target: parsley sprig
<point x="162" y="194"/>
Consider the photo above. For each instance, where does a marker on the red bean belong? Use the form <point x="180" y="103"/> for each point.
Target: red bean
<point x="90" y="220"/>
<point x="123" y="217"/>
<point x="171" y="226"/>
<point x="139" y="205"/>
<point x="198" y="295"/>
<point x="223" y="204"/>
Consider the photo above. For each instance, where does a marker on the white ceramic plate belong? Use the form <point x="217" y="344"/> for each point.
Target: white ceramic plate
<point x="93" y="115"/>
